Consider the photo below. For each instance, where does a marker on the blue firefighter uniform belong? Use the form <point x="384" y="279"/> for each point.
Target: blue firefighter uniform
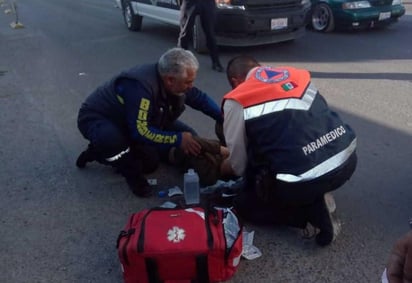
<point x="132" y="117"/>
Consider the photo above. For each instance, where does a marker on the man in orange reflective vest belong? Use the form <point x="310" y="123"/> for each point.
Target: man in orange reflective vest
<point x="288" y="145"/>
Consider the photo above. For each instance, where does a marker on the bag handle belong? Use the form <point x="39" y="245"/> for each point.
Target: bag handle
<point x="152" y="272"/>
<point x="202" y="271"/>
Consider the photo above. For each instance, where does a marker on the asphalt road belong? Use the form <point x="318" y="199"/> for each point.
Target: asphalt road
<point x="60" y="224"/>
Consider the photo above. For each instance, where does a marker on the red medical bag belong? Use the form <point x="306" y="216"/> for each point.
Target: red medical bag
<point x="180" y="245"/>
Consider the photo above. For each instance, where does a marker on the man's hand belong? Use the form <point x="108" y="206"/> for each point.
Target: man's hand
<point x="224" y="152"/>
<point x="189" y="145"/>
<point x="399" y="267"/>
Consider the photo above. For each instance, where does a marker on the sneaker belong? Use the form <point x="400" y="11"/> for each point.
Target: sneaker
<point x="321" y="217"/>
<point x="140" y="188"/>
<point x="84" y="157"/>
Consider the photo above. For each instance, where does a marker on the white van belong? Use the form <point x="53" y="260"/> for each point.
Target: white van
<point x="239" y="22"/>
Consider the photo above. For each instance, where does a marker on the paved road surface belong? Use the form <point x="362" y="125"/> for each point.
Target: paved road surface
<point x="59" y="224"/>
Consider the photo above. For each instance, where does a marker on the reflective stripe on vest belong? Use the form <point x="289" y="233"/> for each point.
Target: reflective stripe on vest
<point x="118" y="156"/>
<point x="321" y="169"/>
<point x="303" y="103"/>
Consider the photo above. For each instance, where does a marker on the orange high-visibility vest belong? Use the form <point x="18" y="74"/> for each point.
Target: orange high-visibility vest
<point x="289" y="127"/>
<point x="264" y="84"/>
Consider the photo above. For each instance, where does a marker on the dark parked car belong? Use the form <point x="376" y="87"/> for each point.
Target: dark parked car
<point x="239" y="22"/>
<point x="326" y="15"/>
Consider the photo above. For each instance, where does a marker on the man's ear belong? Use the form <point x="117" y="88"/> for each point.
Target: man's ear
<point x="168" y="80"/>
<point x="234" y="82"/>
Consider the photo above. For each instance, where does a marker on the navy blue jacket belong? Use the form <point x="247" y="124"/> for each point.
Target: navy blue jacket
<point x="137" y="102"/>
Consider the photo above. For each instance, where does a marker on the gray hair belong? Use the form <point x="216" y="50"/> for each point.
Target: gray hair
<point x="176" y="61"/>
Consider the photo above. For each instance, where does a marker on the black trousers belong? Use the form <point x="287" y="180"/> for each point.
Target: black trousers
<point x="108" y="140"/>
<point x="287" y="203"/>
<point x="206" y="9"/>
<point x="302" y="193"/>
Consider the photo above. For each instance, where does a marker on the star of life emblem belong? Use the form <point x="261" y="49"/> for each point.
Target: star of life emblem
<point x="176" y="234"/>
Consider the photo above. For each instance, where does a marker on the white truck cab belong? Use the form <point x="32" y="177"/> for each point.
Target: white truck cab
<point x="239" y="22"/>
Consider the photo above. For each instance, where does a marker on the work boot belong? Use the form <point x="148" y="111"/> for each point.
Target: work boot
<point x="85" y="157"/>
<point x="150" y="156"/>
<point x="322" y="216"/>
<point x="140" y="187"/>
<point x="131" y="170"/>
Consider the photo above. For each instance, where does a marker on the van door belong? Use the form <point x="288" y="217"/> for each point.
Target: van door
<point x="162" y="10"/>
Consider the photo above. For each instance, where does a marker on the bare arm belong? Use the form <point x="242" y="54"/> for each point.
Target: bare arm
<point x="235" y="135"/>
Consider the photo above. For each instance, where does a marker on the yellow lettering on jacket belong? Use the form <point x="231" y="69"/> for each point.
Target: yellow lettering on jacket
<point x="142" y="115"/>
<point x="143" y="129"/>
<point x="145" y="104"/>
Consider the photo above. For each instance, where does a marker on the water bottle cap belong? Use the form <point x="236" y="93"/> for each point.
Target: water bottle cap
<point x="191" y="171"/>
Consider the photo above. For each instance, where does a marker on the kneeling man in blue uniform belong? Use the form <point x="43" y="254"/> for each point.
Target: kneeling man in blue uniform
<point x="131" y="121"/>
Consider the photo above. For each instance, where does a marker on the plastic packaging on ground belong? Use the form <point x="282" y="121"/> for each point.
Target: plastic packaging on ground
<point x="249" y="251"/>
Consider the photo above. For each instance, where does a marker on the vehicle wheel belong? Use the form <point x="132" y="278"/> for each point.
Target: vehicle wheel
<point x="132" y="21"/>
<point x="199" y="37"/>
<point x="322" y="18"/>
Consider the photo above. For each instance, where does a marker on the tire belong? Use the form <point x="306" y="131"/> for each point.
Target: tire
<point x="133" y="22"/>
<point x="199" y="37"/>
<point x="322" y="18"/>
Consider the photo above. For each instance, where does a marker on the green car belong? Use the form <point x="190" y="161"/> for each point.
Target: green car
<point x="326" y="15"/>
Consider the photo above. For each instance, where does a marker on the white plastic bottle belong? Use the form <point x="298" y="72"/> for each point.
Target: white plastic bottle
<point x="191" y="188"/>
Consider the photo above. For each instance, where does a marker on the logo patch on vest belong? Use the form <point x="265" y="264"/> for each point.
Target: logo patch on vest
<point x="289" y="86"/>
<point x="268" y="75"/>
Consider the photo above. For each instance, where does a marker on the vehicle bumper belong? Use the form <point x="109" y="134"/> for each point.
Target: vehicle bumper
<point x="249" y="29"/>
<point x="259" y="39"/>
<point x="368" y="18"/>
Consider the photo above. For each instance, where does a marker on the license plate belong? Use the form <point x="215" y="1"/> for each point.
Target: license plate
<point x="279" y="23"/>
<point x="384" y="16"/>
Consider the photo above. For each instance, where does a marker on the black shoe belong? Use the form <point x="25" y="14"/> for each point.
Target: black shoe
<point x="140" y="187"/>
<point x="84" y="157"/>
<point x="217" y="67"/>
<point x="322" y="217"/>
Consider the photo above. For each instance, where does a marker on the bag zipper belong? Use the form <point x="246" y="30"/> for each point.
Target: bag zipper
<point x="208" y="229"/>
<point x="229" y="250"/>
